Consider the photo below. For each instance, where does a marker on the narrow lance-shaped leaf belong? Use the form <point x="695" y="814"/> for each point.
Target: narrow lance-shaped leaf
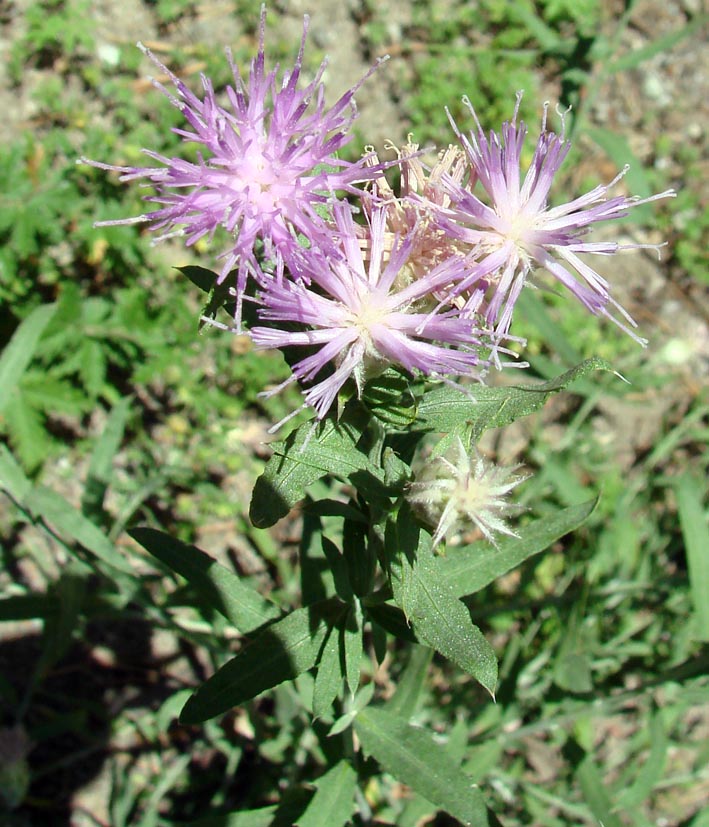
<point x="447" y="409"/>
<point x="694" y="531"/>
<point x="435" y="613"/>
<point x="352" y="645"/>
<point x="329" y="677"/>
<point x="391" y="399"/>
<point x="412" y="756"/>
<point x="72" y="526"/>
<point x="470" y="568"/>
<point x="311" y="452"/>
<point x="651" y="771"/>
<point x="70" y="592"/>
<point x="220" y="588"/>
<point x="12" y="477"/>
<point x="411" y="682"/>
<point x="333" y="804"/>
<point x="281" y="652"/>
<point x="19" y="351"/>
<point x="594" y="791"/>
<point x="101" y="465"/>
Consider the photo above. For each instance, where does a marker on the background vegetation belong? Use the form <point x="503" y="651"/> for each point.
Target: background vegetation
<point x="115" y="412"/>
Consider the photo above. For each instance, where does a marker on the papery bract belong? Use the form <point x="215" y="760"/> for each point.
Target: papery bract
<point x="458" y="491"/>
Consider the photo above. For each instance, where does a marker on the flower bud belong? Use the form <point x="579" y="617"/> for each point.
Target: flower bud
<point x="456" y="492"/>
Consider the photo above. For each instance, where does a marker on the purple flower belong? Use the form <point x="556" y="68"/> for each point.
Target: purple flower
<point x="269" y="162"/>
<point x="517" y="231"/>
<point x="362" y="312"/>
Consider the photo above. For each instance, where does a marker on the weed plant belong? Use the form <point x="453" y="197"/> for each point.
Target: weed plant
<point x="115" y="413"/>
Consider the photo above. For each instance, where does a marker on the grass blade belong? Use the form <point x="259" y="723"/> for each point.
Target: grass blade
<point x="696" y="543"/>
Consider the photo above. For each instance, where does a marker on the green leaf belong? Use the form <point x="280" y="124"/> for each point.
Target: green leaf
<point x="93" y="367"/>
<point x="618" y="150"/>
<point x="329" y="677"/>
<point x="650" y="773"/>
<point x="333" y="804"/>
<point x="200" y="276"/>
<point x="414" y="757"/>
<point x="661" y="45"/>
<point x="693" y="521"/>
<point x="25" y="426"/>
<point x="51" y="395"/>
<point x="431" y="606"/>
<point x="69" y="592"/>
<point x="447" y="409"/>
<point x="334" y="508"/>
<point x="352" y="645"/>
<point x="353" y="706"/>
<point x="101" y="464"/>
<point x="12" y="477"/>
<point x="390" y="398"/>
<point x="411" y="683"/>
<point x="595" y="793"/>
<point x="74" y="527"/>
<point x="392" y="620"/>
<point x="263" y="817"/>
<point x="281" y="652"/>
<point x="21" y="349"/>
<point x="468" y="569"/>
<point x="360" y="557"/>
<point x="572" y="672"/>
<point x="312" y="451"/>
<point x="338" y="568"/>
<point x="572" y="665"/>
<point x="220" y="588"/>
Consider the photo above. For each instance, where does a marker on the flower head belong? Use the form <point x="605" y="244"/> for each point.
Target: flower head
<point x="455" y="492"/>
<point x="359" y="313"/>
<point x="269" y="161"/>
<point x="516" y="230"/>
<point x="415" y="211"/>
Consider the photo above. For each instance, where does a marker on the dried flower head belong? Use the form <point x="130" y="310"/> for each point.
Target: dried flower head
<point x="456" y="491"/>
<point x="517" y="231"/>
<point x="415" y="210"/>
<point x="269" y="164"/>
